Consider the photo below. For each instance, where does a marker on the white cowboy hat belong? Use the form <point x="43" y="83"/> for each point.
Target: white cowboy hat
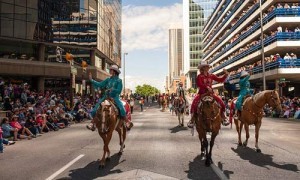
<point x="202" y="64"/>
<point x="244" y="73"/>
<point x="115" y="67"/>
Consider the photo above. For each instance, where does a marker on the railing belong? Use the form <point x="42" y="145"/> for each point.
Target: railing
<point x="76" y="40"/>
<point x="239" y="22"/>
<point x="221" y="12"/>
<point x="270" y="16"/>
<point x="76" y="19"/>
<point x="75" y="29"/>
<point x="212" y="13"/>
<point x="228" y="16"/>
<point x="267" y="41"/>
<point x="292" y="63"/>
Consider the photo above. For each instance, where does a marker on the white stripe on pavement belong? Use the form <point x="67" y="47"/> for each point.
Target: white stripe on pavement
<point x="218" y="171"/>
<point x="64" y="168"/>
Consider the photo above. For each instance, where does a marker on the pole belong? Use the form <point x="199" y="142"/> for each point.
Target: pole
<point x="124" y="74"/>
<point x="262" y="45"/>
<point x="71" y="86"/>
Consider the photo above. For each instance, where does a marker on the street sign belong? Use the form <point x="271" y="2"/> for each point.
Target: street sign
<point x="73" y="70"/>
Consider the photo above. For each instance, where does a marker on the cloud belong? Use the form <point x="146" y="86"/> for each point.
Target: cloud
<point x="146" y="27"/>
<point x="133" y="81"/>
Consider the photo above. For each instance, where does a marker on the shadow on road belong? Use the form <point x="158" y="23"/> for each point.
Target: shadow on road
<point x="226" y="172"/>
<point x="198" y="170"/>
<point x="176" y="129"/>
<point x="91" y="171"/>
<point x="262" y="160"/>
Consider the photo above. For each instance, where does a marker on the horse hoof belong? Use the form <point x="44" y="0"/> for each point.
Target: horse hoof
<point x="258" y="150"/>
<point x="245" y="144"/>
<point x="120" y="153"/>
<point x="240" y="144"/>
<point x="107" y="159"/>
<point x="101" y="167"/>
<point x="207" y="162"/>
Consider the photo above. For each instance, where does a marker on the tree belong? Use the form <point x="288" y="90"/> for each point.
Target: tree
<point x="146" y="90"/>
<point x="192" y="90"/>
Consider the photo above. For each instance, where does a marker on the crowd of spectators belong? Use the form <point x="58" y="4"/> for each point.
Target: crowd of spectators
<point x="290" y="108"/>
<point x="26" y="114"/>
<point x="272" y="33"/>
<point x="272" y="58"/>
<point x="246" y="47"/>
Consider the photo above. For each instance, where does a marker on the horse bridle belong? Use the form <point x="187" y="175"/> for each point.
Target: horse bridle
<point x="212" y="118"/>
<point x="274" y="100"/>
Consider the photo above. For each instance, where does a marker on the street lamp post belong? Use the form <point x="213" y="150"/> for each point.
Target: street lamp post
<point x="262" y="45"/>
<point x="124" y="73"/>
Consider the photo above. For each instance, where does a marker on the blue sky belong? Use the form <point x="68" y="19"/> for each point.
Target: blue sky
<point x="145" y="25"/>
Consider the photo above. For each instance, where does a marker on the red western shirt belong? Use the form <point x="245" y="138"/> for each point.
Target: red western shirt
<point x="205" y="81"/>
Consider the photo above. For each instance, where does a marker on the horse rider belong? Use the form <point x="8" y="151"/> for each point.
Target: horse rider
<point x="113" y="86"/>
<point x="244" y="91"/>
<point x="180" y="93"/>
<point x="204" y="83"/>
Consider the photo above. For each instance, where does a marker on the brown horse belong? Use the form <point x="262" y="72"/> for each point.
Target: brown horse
<point x="107" y="121"/>
<point x="179" y="106"/>
<point x="209" y="120"/>
<point x="252" y="113"/>
<point x="164" y="103"/>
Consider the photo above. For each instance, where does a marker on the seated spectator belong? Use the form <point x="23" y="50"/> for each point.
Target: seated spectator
<point x="41" y="122"/>
<point x="9" y="131"/>
<point x="32" y="126"/>
<point x="21" y="130"/>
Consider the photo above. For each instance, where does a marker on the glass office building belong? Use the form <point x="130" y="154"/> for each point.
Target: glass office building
<point x="33" y="30"/>
<point x="195" y="14"/>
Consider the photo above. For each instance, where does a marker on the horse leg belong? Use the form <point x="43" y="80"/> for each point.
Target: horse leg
<point x="247" y="135"/>
<point x="205" y="143"/>
<point x="121" y="133"/>
<point x="257" y="127"/>
<point x="182" y="123"/>
<point x="240" y="133"/>
<point x="102" y="161"/>
<point x="212" y="142"/>
<point x="236" y="122"/>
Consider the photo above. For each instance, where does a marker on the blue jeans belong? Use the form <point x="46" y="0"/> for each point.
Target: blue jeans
<point x="1" y="145"/>
<point x="118" y="103"/>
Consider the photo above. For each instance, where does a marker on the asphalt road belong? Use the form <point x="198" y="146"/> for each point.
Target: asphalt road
<point x="155" y="149"/>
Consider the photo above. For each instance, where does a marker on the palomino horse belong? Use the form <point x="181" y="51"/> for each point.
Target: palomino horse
<point x="252" y="113"/>
<point x="179" y="105"/>
<point x="209" y="120"/>
<point x="107" y="121"/>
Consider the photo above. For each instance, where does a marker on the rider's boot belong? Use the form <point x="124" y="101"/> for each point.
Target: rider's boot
<point x="125" y="119"/>
<point x="91" y="127"/>
<point x="225" y="121"/>
<point x="192" y="121"/>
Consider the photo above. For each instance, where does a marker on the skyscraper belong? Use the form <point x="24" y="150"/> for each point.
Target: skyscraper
<point x="195" y="15"/>
<point x="175" y="56"/>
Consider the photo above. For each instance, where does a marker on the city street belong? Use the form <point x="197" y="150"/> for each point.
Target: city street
<point x="156" y="149"/>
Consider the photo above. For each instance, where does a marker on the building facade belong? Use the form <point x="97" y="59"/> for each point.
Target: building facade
<point x="233" y="40"/>
<point x="175" y="56"/>
<point x="195" y="15"/>
<point x="35" y="36"/>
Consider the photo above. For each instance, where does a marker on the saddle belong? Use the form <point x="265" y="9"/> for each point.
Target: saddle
<point x="110" y="101"/>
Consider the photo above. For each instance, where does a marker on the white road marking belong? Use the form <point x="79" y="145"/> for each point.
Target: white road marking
<point x="218" y="171"/>
<point x="64" y="168"/>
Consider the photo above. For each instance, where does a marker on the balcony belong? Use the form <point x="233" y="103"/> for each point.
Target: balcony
<point x="278" y="37"/>
<point x="270" y="16"/>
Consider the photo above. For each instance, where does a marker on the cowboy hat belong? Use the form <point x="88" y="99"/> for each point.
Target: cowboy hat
<point x="115" y="68"/>
<point x="244" y="73"/>
<point x="203" y="64"/>
<point x="15" y="116"/>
